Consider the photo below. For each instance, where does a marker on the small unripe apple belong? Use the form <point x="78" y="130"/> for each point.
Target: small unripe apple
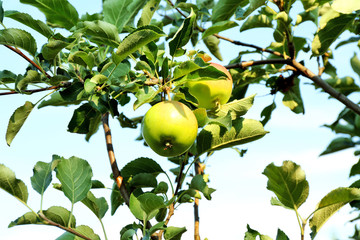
<point x="211" y="93"/>
<point x="169" y="128"/>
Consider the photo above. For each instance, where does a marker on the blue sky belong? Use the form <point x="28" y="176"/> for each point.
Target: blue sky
<point x="241" y="196"/>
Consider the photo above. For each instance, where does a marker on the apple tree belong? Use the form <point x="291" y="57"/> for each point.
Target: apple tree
<point x="137" y="52"/>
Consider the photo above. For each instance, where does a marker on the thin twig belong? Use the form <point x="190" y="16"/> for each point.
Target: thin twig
<point x="70" y="230"/>
<point x="28" y="59"/>
<point x="30" y="91"/>
<point x="115" y="170"/>
<point x="198" y="171"/>
<point x="258" y="62"/>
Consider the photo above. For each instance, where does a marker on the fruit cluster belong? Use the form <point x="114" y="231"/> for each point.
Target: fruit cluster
<point x="170" y="127"/>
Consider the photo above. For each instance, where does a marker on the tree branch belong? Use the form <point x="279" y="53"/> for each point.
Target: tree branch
<point x="70" y="230"/>
<point x="28" y="59"/>
<point x="198" y="170"/>
<point x="246" y="64"/>
<point x="326" y="87"/>
<point x="115" y="170"/>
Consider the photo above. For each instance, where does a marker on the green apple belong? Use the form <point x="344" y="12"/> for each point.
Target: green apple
<point x="169" y="128"/>
<point x="211" y="93"/>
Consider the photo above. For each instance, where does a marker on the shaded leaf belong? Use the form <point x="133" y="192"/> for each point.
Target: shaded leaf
<point x="82" y="58"/>
<point x="355" y="64"/>
<point x="55" y="45"/>
<point x="29" y="21"/>
<point x="58" y="13"/>
<point x="98" y="206"/>
<point x="288" y="182"/>
<point x="137" y="39"/>
<point x="27" y="218"/>
<point x="223" y="10"/>
<point x="198" y="183"/>
<point x="60" y="215"/>
<point x="101" y="32"/>
<point x="212" y="43"/>
<point x="17" y="120"/>
<point x="18" y="38"/>
<point x="82" y="119"/>
<point x="12" y="185"/>
<point x="30" y="77"/>
<point x="141" y="165"/>
<point x="42" y="177"/>
<point x="183" y="35"/>
<point x="330" y="204"/>
<point x="174" y="233"/>
<point x="57" y="100"/>
<point x="116" y="199"/>
<point x="338" y="144"/>
<point x="214" y="137"/>
<point x="75" y="176"/>
<point x="266" y="113"/>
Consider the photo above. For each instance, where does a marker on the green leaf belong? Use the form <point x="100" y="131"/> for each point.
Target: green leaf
<point x="345" y="85"/>
<point x="141" y="165"/>
<point x="212" y="43"/>
<point x="236" y="108"/>
<point x="355" y="64"/>
<point x="346" y="7"/>
<point x="101" y="32"/>
<point x="330" y="204"/>
<point x="18" y="38"/>
<point x="254" y="4"/>
<point x="185" y="68"/>
<point x="214" y="137"/>
<point x="29" y="21"/>
<point x="355" y="169"/>
<point x="27" y="218"/>
<point x="252" y="234"/>
<point x="219" y="27"/>
<point x="310" y="4"/>
<point x="148" y="12"/>
<point x="292" y="98"/>
<point x="281" y="235"/>
<point x="137" y="39"/>
<point x="183" y="35"/>
<point x="174" y="233"/>
<point x="288" y="182"/>
<point x="17" y="120"/>
<point x="31" y="77"/>
<point x="256" y="21"/>
<point x="75" y="176"/>
<point x="55" y="45"/>
<point x="150" y="203"/>
<point x="198" y="183"/>
<point x="338" y="144"/>
<point x="82" y="119"/>
<point x="12" y="185"/>
<point x="328" y="34"/>
<point x="1" y="12"/>
<point x="266" y="113"/>
<point x="57" y="100"/>
<point x="141" y="180"/>
<point x="60" y="215"/>
<point x="58" y="13"/>
<point x="145" y="95"/>
<point x="116" y="199"/>
<point x="121" y="12"/>
<point x="42" y="177"/>
<point x="98" y="206"/>
<point x="82" y="58"/>
<point x="84" y="230"/>
<point x="225" y="9"/>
